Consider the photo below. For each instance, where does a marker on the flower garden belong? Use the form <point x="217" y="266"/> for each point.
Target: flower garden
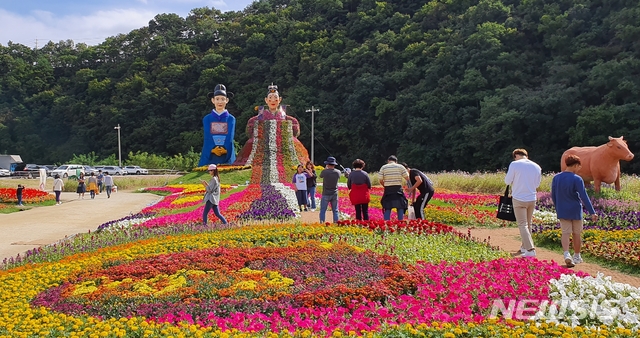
<point x="162" y="273"/>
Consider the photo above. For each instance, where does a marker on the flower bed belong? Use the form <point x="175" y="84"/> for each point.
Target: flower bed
<point x="347" y="279"/>
<point x="29" y="195"/>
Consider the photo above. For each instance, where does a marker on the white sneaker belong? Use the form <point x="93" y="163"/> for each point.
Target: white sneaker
<point x="522" y="250"/>
<point x="568" y="260"/>
<point x="531" y="253"/>
<point x="577" y="259"/>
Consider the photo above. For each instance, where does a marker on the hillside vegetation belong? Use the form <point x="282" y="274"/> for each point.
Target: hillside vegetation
<point x="445" y="85"/>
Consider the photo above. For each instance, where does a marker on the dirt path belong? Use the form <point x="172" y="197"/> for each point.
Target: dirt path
<point x="29" y="229"/>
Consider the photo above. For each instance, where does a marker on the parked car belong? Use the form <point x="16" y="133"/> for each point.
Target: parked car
<point x="113" y="170"/>
<point x="68" y="170"/>
<point x="5" y="172"/>
<point x="49" y="167"/>
<point x="135" y="170"/>
<point x="29" y="170"/>
<point x="88" y="170"/>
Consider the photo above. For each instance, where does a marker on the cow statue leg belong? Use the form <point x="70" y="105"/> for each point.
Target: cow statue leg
<point x="596" y="185"/>
<point x="617" y="183"/>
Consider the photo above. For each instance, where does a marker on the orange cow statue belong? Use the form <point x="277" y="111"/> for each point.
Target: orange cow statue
<point x="602" y="163"/>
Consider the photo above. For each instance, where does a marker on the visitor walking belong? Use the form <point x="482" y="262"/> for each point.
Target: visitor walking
<point x="312" y="177"/>
<point x="300" y="184"/>
<point x="392" y="175"/>
<point x="58" y="185"/>
<point x="80" y="190"/>
<point x="212" y="195"/>
<point x="420" y="182"/>
<point x="108" y="184"/>
<point x="359" y="184"/>
<point x="524" y="176"/>
<point x="100" y="178"/>
<point x="568" y="195"/>
<point x="92" y="185"/>
<point x="330" y="176"/>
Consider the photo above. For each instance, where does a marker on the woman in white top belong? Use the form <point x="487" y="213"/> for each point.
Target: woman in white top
<point x="300" y="181"/>
<point x="212" y="195"/>
<point x="58" y="185"/>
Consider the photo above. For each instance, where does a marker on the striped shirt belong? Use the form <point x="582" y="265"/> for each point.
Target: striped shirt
<point x="392" y="174"/>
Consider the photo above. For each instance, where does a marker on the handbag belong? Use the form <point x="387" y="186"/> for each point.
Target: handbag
<point x="505" y="207"/>
<point x="412" y="213"/>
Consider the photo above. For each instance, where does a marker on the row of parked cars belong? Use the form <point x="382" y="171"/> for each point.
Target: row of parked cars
<point x="66" y="170"/>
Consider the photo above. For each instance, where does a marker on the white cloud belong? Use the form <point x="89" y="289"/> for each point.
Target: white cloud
<point x="91" y="29"/>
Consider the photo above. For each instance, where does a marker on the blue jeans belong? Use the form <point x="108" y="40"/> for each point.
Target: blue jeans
<point x="324" y="203"/>
<point x="57" y="195"/>
<point x="19" y="199"/>
<point x="387" y="214"/>
<point x="311" y="197"/>
<point x="216" y="211"/>
<point x="108" y="188"/>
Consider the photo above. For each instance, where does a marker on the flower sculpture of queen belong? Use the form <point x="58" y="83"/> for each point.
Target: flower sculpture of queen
<point x="273" y="148"/>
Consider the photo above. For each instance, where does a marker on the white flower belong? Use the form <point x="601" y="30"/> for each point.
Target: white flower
<point x="592" y="301"/>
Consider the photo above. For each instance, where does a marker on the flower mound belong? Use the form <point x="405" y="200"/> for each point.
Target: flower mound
<point x="223" y="281"/>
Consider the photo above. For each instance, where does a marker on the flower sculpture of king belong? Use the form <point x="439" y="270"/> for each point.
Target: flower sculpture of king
<point x="219" y="130"/>
<point x="273" y="136"/>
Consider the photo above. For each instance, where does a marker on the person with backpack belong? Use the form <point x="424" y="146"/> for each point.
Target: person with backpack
<point x="420" y="182"/>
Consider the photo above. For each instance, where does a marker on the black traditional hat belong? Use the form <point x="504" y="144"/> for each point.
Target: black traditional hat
<point x="220" y="90"/>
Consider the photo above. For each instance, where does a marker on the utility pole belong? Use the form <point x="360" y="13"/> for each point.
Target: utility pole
<point x="313" y="110"/>
<point x="119" y="149"/>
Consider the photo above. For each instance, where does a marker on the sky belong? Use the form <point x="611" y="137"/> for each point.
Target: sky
<point x="31" y="22"/>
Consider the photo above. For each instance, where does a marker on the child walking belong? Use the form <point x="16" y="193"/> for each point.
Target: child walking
<point x="300" y="181"/>
<point x="19" y="194"/>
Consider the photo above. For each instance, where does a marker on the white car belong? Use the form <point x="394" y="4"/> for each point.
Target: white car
<point x="5" y="172"/>
<point x="68" y="170"/>
<point x="135" y="170"/>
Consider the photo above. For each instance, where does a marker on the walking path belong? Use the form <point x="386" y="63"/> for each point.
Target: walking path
<point x="29" y="229"/>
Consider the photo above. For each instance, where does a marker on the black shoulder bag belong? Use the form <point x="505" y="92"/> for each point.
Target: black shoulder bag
<point x="505" y="207"/>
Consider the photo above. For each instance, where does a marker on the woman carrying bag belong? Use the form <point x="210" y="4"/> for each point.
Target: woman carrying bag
<point x="212" y="195"/>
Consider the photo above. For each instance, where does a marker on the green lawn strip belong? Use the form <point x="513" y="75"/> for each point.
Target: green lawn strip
<point x="12" y="207"/>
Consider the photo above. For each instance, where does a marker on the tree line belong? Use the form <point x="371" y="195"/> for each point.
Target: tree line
<point x="443" y="84"/>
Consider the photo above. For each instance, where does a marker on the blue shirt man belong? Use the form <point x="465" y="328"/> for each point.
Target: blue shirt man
<point x="219" y="130"/>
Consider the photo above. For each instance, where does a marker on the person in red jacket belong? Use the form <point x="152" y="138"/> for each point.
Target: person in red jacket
<point x="359" y="185"/>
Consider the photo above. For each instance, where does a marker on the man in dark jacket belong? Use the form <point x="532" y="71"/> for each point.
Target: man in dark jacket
<point x="419" y="181"/>
<point x="330" y="176"/>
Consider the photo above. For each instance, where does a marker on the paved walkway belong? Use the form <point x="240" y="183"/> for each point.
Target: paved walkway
<point x="29" y="229"/>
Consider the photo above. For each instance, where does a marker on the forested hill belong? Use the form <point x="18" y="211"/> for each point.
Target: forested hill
<point x="445" y="85"/>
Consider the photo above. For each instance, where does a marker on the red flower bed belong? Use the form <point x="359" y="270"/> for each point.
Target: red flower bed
<point x="29" y="195"/>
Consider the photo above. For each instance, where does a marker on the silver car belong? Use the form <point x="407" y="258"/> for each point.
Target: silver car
<point x="113" y="170"/>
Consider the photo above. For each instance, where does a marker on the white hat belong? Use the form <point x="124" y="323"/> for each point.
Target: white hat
<point x="212" y="167"/>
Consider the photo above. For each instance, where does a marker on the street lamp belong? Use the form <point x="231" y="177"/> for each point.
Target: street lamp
<point x="312" y="111"/>
<point x="119" y="149"/>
